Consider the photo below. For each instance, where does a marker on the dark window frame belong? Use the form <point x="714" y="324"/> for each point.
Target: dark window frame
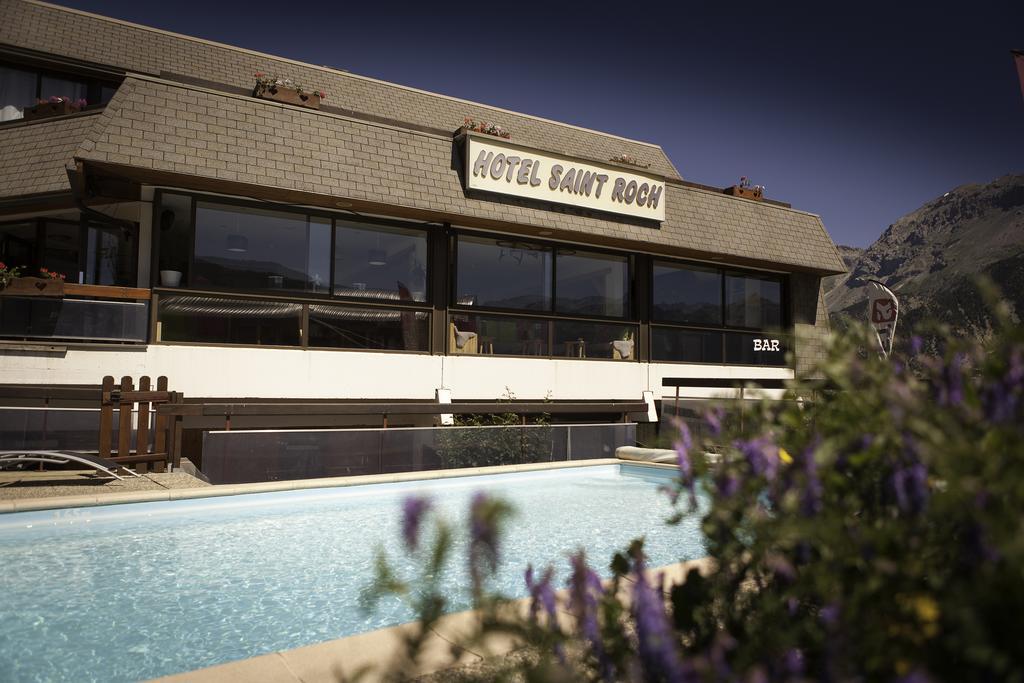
<point x="83" y="222"/>
<point x="305" y="299"/>
<point x="630" y="317"/>
<point x="94" y="83"/>
<point x="784" y="330"/>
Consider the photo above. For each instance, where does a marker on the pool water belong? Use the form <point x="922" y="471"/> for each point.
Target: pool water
<point x="130" y="592"/>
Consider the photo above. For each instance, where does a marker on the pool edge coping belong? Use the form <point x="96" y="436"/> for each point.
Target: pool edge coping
<point x="345" y="656"/>
<point x="219" y="490"/>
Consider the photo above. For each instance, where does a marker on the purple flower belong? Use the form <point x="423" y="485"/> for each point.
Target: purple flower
<point x="829" y="615"/>
<point x="413" y="510"/>
<point x="683" y="447"/>
<point x="910" y="483"/>
<point x="916" y="676"/>
<point x="714" y="418"/>
<point x="584" y="592"/>
<point x="1001" y="398"/>
<point x="810" y="499"/>
<point x="542" y="595"/>
<point x="762" y="454"/>
<point x="483" y="538"/>
<point x="951" y="386"/>
<point x="793" y="662"/>
<point x="728" y="484"/>
<point x="657" y="646"/>
<point x="916" y="344"/>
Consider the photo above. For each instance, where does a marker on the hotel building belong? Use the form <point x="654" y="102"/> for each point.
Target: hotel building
<point x="249" y="246"/>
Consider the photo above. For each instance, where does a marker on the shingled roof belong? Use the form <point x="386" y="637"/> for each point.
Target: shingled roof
<point x="49" y="28"/>
<point x="157" y="125"/>
<point x="33" y="156"/>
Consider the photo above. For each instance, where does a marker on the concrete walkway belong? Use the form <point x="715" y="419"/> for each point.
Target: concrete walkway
<point x="23" y="485"/>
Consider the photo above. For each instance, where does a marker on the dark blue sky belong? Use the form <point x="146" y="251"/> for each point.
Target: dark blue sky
<point x="857" y="113"/>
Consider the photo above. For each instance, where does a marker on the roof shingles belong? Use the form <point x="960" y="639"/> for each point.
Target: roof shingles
<point x="34" y="156"/>
<point x="239" y="139"/>
<point x="48" y="28"/>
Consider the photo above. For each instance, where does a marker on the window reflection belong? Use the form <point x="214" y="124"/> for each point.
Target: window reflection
<point x="690" y="346"/>
<point x="753" y="302"/>
<point x="503" y="274"/>
<point x="501" y="335"/>
<point x="18" y="89"/>
<point x="380" y="262"/>
<point x="249" y="249"/>
<point x="591" y="284"/>
<point x="353" y="327"/>
<point x="687" y="294"/>
<point x="574" y="339"/>
<point x="216" y="320"/>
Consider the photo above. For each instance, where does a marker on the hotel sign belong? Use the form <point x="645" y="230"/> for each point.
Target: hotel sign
<point x="499" y="166"/>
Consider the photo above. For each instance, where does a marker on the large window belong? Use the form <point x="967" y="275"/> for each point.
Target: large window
<point x="288" y="265"/>
<point x="245" y="248"/>
<point x="687" y="294"/>
<point x="84" y="251"/>
<point x="503" y="274"/>
<point x="590" y="283"/>
<point x="573" y="291"/>
<point x="380" y="262"/>
<point x="695" y="307"/>
<point x="22" y="86"/>
<point x="753" y="302"/>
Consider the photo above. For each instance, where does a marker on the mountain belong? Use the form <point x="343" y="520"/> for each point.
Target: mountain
<point x="849" y="256"/>
<point x="931" y="257"/>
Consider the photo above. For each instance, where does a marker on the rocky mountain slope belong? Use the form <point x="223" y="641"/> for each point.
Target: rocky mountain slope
<point x="931" y="256"/>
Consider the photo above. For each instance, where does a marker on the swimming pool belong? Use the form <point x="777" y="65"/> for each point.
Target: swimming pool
<point x="130" y="592"/>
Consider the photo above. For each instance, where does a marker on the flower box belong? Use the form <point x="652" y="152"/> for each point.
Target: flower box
<point x="279" y="93"/>
<point x="755" y="193"/>
<point x="33" y="286"/>
<point x="285" y="91"/>
<point x="471" y="126"/>
<point x="47" y="109"/>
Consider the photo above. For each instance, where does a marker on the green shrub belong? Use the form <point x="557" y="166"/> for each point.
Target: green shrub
<point x="869" y="529"/>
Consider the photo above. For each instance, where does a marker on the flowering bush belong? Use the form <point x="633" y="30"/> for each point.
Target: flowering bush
<point x="7" y="274"/>
<point x="483" y="127"/>
<point x="48" y="274"/>
<point x="265" y="83"/>
<point x="871" y="530"/>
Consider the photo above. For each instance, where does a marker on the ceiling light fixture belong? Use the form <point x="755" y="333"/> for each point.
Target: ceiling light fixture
<point x="238" y="244"/>
<point x="378" y="257"/>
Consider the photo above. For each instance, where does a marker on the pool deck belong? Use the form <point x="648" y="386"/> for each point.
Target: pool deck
<point x="70" y="485"/>
<point x="374" y="652"/>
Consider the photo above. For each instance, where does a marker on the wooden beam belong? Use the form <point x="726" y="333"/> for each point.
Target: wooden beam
<point x="107" y="292"/>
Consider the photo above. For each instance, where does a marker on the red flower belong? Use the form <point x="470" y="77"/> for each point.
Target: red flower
<point x="3" y="266"/>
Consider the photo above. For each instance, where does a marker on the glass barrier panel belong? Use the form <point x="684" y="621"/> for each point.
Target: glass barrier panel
<point x="234" y="457"/>
<point x="470" y="333"/>
<point x="216" y="320"/>
<point x="690" y="346"/>
<point x="594" y="340"/>
<point x="351" y="327"/>
<point x="73" y="319"/>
